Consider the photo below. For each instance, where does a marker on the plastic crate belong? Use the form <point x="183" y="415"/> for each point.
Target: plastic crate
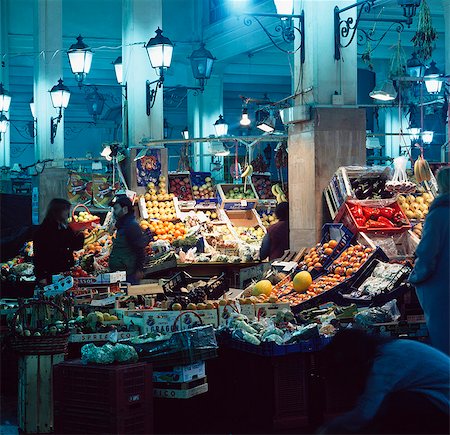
<point x="117" y="389"/>
<point x="346" y="217"/>
<point x="214" y="291"/>
<point x="393" y="290"/>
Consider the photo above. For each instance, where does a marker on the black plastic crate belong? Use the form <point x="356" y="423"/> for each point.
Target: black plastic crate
<point x="395" y="288"/>
<point x="214" y="290"/>
<point x="111" y="388"/>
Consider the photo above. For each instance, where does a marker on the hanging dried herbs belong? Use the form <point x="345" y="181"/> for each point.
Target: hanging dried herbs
<point x="398" y="60"/>
<point x="426" y="35"/>
<point x="367" y="56"/>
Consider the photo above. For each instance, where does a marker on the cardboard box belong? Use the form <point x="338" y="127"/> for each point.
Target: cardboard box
<point x="81" y="338"/>
<point x="181" y="373"/>
<point x="166" y="393"/>
<point x="104" y="278"/>
<point x="268" y="310"/>
<point x="247" y="310"/>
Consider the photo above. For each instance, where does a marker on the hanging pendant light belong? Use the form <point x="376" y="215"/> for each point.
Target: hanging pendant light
<point x="185" y="133"/>
<point x="221" y="127"/>
<point x="385" y="92"/>
<point x="415" y="67"/>
<point x="432" y="79"/>
<point x="3" y="123"/>
<point x="427" y="137"/>
<point x="80" y="59"/>
<point x="245" y="120"/>
<point x="266" y="121"/>
<point x="202" y="62"/>
<point x="5" y="99"/>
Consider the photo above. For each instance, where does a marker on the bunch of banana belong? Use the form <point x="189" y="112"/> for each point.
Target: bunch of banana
<point x="248" y="171"/>
<point x="278" y="193"/>
<point x="422" y="170"/>
<point x="94" y="236"/>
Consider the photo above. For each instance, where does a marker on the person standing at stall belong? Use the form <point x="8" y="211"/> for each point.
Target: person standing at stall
<point x="54" y="242"/>
<point x="431" y="273"/>
<point x="276" y="241"/>
<point x="128" y="249"/>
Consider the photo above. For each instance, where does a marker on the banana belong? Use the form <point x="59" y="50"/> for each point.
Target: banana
<point x="283" y="198"/>
<point x="280" y="190"/>
<point x="426" y="171"/>
<point x="247" y="172"/>
<point x="417" y="173"/>
<point x="274" y="190"/>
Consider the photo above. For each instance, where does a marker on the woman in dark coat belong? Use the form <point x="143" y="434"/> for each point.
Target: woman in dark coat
<point x="276" y="241"/>
<point x="54" y="242"/>
<point x="431" y="274"/>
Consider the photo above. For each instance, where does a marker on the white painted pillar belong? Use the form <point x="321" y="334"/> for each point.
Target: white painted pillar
<point x="203" y="111"/>
<point x="5" y="146"/>
<point x="140" y="19"/>
<point x="48" y="69"/>
<point x="320" y="70"/>
<point x="446" y="5"/>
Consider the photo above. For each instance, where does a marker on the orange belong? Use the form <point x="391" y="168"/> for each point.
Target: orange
<point x="332" y="243"/>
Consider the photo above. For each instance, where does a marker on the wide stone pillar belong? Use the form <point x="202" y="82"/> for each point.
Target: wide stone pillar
<point x="203" y="111"/>
<point x="140" y="19"/>
<point x="47" y="70"/>
<point x="5" y="146"/>
<point x="331" y="136"/>
<point x="446" y="5"/>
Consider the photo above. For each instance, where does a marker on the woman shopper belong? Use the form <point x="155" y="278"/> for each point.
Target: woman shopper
<point x="431" y="273"/>
<point x="276" y="241"/>
<point x="396" y="386"/>
<point x="54" y="242"/>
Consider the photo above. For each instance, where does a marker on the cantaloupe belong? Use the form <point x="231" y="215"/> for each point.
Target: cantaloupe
<point x="302" y="281"/>
<point x="262" y="287"/>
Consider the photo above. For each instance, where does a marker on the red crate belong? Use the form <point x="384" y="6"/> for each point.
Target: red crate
<point x="345" y="216"/>
<point x="102" y="391"/>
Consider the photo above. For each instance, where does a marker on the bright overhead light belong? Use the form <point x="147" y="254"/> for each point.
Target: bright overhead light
<point x="106" y="153"/>
<point x="432" y="77"/>
<point x="118" y="68"/>
<point x="221" y="127"/>
<point x="385" y="92"/>
<point x="284" y="7"/>
<point x="266" y="121"/>
<point x="33" y="108"/>
<point x="372" y="143"/>
<point x="414" y="133"/>
<point x="245" y="120"/>
<point x="80" y="59"/>
<point x="5" y="99"/>
<point x="427" y="137"/>
<point x="3" y="123"/>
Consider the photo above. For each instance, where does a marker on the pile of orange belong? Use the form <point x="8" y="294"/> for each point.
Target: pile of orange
<point x="164" y="230"/>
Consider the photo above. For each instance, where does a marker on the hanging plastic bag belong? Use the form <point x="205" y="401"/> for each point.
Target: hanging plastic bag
<point x="399" y="182"/>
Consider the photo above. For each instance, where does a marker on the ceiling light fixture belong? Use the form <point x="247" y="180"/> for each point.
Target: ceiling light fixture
<point x="414" y="66"/>
<point x="432" y="78"/>
<point x="221" y="127"/>
<point x="118" y="68"/>
<point x="245" y="120"/>
<point x="3" y="125"/>
<point x="33" y="108"/>
<point x="80" y="59"/>
<point x="159" y="50"/>
<point x="266" y="121"/>
<point x="5" y="99"/>
<point x="60" y="95"/>
<point x="427" y="137"/>
<point x="185" y="133"/>
<point x="385" y="92"/>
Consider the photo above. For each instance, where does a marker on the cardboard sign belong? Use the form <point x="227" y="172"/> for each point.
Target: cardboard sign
<point x="79" y="188"/>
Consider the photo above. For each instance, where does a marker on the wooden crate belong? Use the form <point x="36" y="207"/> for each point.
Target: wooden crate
<point x="35" y="398"/>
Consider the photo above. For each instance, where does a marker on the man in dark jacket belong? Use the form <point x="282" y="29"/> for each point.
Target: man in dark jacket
<point x="128" y="252"/>
<point x="276" y="241"/>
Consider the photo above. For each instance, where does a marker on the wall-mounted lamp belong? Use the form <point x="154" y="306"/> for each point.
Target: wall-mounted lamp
<point x="3" y="125"/>
<point x="118" y="68"/>
<point x="185" y="133"/>
<point x="5" y="99"/>
<point x="245" y="120"/>
<point x="221" y="127"/>
<point x="384" y="91"/>
<point x="414" y="133"/>
<point x="414" y="66"/>
<point x="202" y="62"/>
<point x="60" y="95"/>
<point x="159" y="50"/>
<point x="432" y="78"/>
<point x="80" y="59"/>
<point x="33" y="108"/>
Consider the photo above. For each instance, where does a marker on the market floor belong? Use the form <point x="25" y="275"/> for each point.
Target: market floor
<point x="8" y="416"/>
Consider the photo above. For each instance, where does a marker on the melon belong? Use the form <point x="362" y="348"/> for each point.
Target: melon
<point x="302" y="281"/>
<point x="263" y="287"/>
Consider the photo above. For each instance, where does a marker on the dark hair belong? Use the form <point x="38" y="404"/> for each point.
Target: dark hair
<point x="123" y="201"/>
<point x="348" y="359"/>
<point x="282" y="211"/>
<point x="54" y="209"/>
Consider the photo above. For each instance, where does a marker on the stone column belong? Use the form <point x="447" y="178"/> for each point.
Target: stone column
<point x="446" y="5"/>
<point x="203" y="111"/>
<point x="48" y="69"/>
<point x="5" y="146"/>
<point x="140" y="20"/>
<point x="333" y="136"/>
